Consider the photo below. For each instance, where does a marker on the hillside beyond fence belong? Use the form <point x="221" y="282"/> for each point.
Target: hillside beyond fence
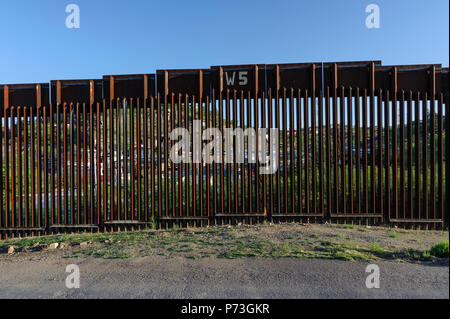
<point x="359" y="143"/>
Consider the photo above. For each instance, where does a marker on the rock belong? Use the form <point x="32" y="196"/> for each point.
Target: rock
<point x="84" y="244"/>
<point x="64" y="245"/>
<point x="53" y="246"/>
<point x="11" y="250"/>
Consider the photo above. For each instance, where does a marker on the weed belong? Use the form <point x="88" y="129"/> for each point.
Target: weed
<point x="376" y="248"/>
<point x="440" y="249"/>
<point x="393" y="235"/>
<point x="152" y="224"/>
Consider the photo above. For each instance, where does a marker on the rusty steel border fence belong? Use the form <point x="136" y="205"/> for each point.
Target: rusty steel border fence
<point x="359" y="143"/>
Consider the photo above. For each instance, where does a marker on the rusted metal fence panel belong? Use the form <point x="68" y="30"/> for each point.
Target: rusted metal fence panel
<point x="183" y="101"/>
<point x="237" y="98"/>
<point x="81" y="91"/>
<point x="129" y="86"/>
<point x="358" y="143"/>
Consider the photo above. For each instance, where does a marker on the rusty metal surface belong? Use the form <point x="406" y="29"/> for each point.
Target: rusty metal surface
<point x="354" y="148"/>
<point x="32" y="95"/>
<point x="82" y="91"/>
<point x="128" y="86"/>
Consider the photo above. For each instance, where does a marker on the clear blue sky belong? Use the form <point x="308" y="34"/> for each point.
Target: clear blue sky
<point x="137" y="36"/>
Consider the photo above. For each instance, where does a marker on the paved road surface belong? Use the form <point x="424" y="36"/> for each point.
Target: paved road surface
<point x="158" y="277"/>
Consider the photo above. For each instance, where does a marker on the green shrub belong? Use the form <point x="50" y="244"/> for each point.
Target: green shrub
<point x="440" y="249"/>
<point x="376" y="248"/>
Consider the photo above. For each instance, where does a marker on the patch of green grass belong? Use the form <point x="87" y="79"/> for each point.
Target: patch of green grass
<point x="45" y="240"/>
<point x="376" y="248"/>
<point x="326" y="243"/>
<point x="315" y="236"/>
<point x="440" y="249"/>
<point x="350" y="245"/>
<point x="323" y="250"/>
<point x="393" y="235"/>
<point x="411" y="254"/>
<point x="182" y="249"/>
<point x="110" y="255"/>
<point x="349" y="226"/>
<point x="348" y="251"/>
<point x="352" y="226"/>
<point x="426" y="255"/>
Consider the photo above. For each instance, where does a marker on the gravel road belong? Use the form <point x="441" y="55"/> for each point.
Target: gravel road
<point x="160" y="277"/>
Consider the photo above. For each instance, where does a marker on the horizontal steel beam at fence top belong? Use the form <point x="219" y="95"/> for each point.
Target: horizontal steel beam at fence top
<point x="370" y="75"/>
<point x="128" y="86"/>
<point x="32" y="95"/>
<point x="79" y="91"/>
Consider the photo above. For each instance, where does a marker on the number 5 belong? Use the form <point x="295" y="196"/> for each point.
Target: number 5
<point x="243" y="78"/>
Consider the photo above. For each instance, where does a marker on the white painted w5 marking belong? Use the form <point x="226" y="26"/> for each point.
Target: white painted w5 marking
<point x="243" y="78"/>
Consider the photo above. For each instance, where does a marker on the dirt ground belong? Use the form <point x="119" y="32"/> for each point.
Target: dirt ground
<point x="263" y="261"/>
<point x="345" y="242"/>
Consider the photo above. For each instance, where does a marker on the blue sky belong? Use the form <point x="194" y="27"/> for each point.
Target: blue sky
<point x="136" y="36"/>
